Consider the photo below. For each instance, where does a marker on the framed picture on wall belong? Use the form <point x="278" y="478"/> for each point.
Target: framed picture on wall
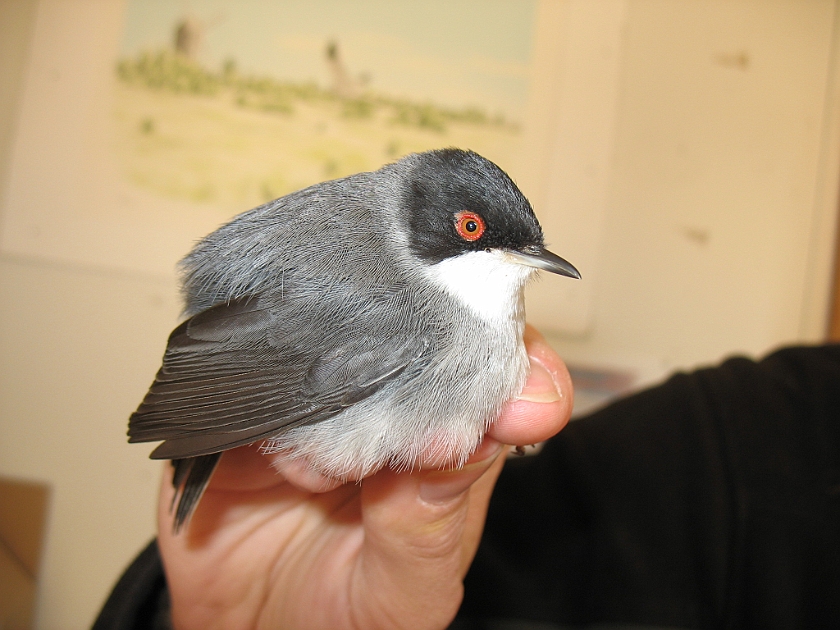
<point x="146" y="124"/>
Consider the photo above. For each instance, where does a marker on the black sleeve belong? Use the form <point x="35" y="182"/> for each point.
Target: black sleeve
<point x="140" y="600"/>
<point x="711" y="501"/>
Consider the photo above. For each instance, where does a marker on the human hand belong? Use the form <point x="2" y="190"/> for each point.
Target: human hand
<point x="389" y="552"/>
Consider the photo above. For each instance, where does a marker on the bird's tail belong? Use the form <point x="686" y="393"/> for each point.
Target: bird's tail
<point x="192" y="474"/>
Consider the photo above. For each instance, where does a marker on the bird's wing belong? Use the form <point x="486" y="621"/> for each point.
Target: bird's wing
<point x="228" y="380"/>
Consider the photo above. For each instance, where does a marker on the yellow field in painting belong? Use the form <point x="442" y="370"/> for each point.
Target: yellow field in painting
<point x="207" y="150"/>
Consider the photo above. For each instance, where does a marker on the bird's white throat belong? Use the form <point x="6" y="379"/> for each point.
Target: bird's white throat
<point x="488" y="283"/>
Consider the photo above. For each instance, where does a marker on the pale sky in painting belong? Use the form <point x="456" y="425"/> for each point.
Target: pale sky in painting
<point x="451" y="52"/>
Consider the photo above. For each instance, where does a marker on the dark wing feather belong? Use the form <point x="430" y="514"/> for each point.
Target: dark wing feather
<point x="228" y="379"/>
<point x="190" y="479"/>
<point x="240" y="372"/>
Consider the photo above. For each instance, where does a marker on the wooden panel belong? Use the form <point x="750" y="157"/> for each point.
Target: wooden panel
<point x="23" y="510"/>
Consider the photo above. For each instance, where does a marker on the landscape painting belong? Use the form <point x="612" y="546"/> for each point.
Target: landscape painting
<point x="146" y="124"/>
<point x="233" y="103"/>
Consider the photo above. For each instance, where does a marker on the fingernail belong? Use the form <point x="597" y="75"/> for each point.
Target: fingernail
<point x="441" y="486"/>
<point x="540" y="387"/>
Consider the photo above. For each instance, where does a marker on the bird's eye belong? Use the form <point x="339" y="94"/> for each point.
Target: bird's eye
<point x="470" y="226"/>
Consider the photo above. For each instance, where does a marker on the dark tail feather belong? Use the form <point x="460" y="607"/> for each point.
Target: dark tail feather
<point x="192" y="474"/>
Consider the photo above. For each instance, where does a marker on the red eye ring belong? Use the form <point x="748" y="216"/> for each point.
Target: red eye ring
<point x="470" y="226"/>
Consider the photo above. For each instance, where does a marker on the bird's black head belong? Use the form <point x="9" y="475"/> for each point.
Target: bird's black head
<point x="458" y="201"/>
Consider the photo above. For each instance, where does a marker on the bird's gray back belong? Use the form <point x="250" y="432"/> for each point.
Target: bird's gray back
<point x="329" y="238"/>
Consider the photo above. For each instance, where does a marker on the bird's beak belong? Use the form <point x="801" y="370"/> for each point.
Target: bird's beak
<point x="541" y="258"/>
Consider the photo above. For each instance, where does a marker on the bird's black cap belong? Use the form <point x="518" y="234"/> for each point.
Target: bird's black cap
<point x="448" y="182"/>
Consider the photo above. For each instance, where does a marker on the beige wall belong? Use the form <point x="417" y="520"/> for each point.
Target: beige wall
<point x="719" y="222"/>
<point x="78" y="347"/>
<point x="716" y="240"/>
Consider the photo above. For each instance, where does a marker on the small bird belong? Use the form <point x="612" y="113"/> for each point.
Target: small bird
<point x="364" y="322"/>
